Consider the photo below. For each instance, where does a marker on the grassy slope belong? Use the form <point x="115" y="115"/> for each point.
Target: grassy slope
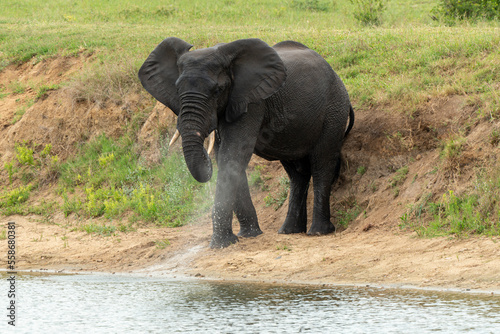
<point x="406" y="58"/>
<point x="399" y="65"/>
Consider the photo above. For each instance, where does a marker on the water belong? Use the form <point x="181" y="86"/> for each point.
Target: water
<point x="125" y="304"/>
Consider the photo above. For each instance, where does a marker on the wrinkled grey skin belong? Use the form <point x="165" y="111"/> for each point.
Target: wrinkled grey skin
<point x="282" y="103"/>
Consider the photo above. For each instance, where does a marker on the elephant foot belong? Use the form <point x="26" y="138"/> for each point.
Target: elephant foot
<point x="290" y="228"/>
<point x="249" y="232"/>
<point x="321" y="228"/>
<point x="223" y="241"/>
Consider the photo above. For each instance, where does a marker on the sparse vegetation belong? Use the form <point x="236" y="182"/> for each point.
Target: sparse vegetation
<point x="369" y="12"/>
<point x="44" y="89"/>
<point x="162" y="244"/>
<point x="452" y="147"/>
<point x="399" y="176"/>
<point x="346" y="211"/>
<point x="472" y="212"/>
<point x="93" y="228"/>
<point x="15" y="196"/>
<point x="256" y="179"/>
<point x="361" y="170"/>
<point x="279" y="199"/>
<point x="452" y="11"/>
<point x="111" y="181"/>
<point x="284" y="247"/>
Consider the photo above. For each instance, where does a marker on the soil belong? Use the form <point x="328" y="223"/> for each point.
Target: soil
<point x="375" y="248"/>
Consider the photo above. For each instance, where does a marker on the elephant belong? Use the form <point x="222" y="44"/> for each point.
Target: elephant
<point x="281" y="103"/>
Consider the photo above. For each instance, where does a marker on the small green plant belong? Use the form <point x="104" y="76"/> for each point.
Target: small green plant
<point x="9" y="167"/>
<point x="279" y="200"/>
<point x="65" y="241"/>
<point x="16" y="196"/>
<point x="24" y="155"/>
<point x="369" y="12"/>
<point x="40" y="238"/>
<point x="361" y="170"/>
<point x="3" y="235"/>
<point x="416" y="212"/>
<point x="124" y="228"/>
<point x="106" y="159"/>
<point x="18" y="115"/>
<point x="283" y="247"/>
<point x="255" y="178"/>
<point x="347" y="216"/>
<point x="70" y="205"/>
<point x="2" y="91"/>
<point x="162" y="244"/>
<point x="494" y="137"/>
<point x="44" y="89"/>
<point x="400" y="176"/>
<point x="41" y="165"/>
<point x="346" y="211"/>
<point x="46" y="151"/>
<point x="452" y="147"/>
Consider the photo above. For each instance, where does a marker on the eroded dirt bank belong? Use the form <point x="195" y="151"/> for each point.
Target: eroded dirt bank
<point x="373" y="249"/>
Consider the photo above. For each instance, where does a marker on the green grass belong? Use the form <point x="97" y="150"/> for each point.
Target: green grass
<point x="104" y="230"/>
<point x="407" y="60"/>
<point x="277" y="200"/>
<point x="399" y="176"/>
<point x="108" y="180"/>
<point x="475" y="212"/>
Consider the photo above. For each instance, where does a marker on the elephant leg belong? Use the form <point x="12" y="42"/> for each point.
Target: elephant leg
<point x="245" y="211"/>
<point x="299" y="173"/>
<point x="324" y="173"/>
<point x="222" y="215"/>
<point x="232" y="193"/>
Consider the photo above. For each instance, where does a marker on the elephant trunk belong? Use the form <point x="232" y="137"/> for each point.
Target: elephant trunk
<point x="193" y="127"/>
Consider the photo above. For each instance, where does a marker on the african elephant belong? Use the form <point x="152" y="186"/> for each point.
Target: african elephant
<point x="282" y="103"/>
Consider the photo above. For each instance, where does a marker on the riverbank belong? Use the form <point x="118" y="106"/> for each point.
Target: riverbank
<point x="354" y="257"/>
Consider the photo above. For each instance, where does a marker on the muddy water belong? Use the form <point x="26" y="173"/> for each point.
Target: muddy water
<point x="125" y="304"/>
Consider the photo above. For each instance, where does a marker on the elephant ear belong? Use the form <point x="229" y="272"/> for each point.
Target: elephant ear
<point x="159" y="72"/>
<point x="258" y="72"/>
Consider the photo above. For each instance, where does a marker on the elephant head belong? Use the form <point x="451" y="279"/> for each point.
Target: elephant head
<point x="206" y="86"/>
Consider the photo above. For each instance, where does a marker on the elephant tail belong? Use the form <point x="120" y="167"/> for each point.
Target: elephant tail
<point x="351" y="121"/>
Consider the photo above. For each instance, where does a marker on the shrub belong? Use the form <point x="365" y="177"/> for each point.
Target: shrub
<point x="369" y="12"/>
<point x="24" y="155"/>
<point x="16" y="196"/>
<point x="451" y="10"/>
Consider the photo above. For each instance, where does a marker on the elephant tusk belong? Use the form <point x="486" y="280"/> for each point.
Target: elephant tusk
<point x="211" y="142"/>
<point x="174" y="138"/>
